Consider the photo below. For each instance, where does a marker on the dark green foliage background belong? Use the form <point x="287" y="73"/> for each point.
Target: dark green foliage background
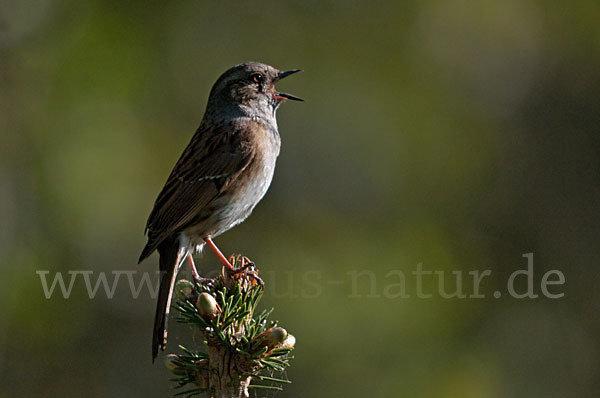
<point x="455" y="134"/>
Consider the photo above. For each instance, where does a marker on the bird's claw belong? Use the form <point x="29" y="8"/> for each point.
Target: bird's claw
<point x="246" y="267"/>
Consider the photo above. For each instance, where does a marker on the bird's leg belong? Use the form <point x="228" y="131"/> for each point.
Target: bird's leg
<point x="195" y="275"/>
<point x="220" y="255"/>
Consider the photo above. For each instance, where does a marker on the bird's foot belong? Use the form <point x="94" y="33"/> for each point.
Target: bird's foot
<point x="195" y="275"/>
<point x="246" y="268"/>
<point x="204" y="281"/>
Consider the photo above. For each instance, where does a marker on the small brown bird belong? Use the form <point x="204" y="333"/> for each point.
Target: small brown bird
<point x="222" y="174"/>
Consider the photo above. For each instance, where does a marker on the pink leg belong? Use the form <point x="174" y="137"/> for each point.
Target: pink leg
<point x="220" y="255"/>
<point x="195" y="274"/>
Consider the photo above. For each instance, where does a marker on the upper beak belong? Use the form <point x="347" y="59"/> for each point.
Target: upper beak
<point x="286" y="73"/>
<point x="284" y="96"/>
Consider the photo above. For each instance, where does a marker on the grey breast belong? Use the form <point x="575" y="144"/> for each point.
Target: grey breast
<point x="235" y="205"/>
<point x="257" y="176"/>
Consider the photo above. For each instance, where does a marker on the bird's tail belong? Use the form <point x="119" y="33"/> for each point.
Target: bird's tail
<point x="172" y="254"/>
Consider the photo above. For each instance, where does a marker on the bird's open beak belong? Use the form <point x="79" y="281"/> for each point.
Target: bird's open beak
<point x="284" y="96"/>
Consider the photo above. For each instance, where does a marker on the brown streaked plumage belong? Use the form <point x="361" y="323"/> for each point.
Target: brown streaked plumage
<point x="222" y="174"/>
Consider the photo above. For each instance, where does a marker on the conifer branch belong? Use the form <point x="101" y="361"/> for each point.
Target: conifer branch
<point x="242" y="350"/>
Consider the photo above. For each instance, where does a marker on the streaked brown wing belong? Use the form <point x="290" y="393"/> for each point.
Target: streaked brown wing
<point x="213" y="158"/>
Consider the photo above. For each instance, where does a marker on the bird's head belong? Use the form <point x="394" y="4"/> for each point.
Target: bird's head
<point x="252" y="86"/>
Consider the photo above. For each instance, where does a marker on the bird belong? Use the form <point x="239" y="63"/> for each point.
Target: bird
<point x="220" y="177"/>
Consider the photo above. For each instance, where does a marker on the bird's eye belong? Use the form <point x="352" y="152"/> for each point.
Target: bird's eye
<point x="257" y="78"/>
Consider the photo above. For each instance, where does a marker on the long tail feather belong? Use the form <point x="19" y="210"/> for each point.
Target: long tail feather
<point x="171" y="256"/>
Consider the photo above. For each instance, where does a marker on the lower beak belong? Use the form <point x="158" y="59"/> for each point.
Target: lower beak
<point x="285" y="96"/>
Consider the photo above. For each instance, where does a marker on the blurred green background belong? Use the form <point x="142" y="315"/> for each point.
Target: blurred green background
<point x="455" y="134"/>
